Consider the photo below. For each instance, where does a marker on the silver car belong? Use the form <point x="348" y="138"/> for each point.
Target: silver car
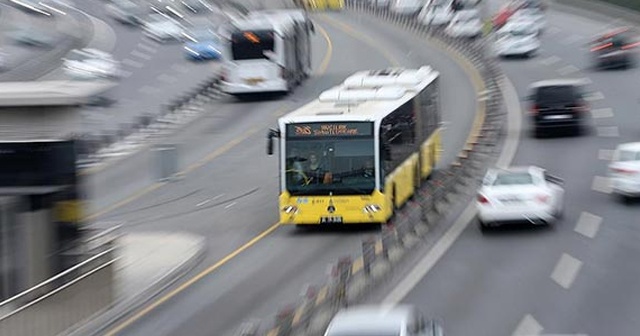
<point x="404" y="320"/>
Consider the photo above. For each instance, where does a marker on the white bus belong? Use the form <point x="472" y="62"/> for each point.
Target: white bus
<point x="269" y="52"/>
<point x="361" y="149"/>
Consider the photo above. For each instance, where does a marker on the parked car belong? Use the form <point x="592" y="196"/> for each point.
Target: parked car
<point x="526" y="194"/>
<point x="465" y="23"/>
<point x="91" y="63"/>
<point x="558" y="104"/>
<point x="403" y="320"/>
<point x="518" y="38"/>
<point x="624" y="171"/>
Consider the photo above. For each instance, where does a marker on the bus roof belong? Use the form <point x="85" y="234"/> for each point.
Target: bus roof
<point x="280" y="23"/>
<point x="365" y="96"/>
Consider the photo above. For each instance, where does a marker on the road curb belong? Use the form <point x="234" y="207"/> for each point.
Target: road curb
<point x="98" y="324"/>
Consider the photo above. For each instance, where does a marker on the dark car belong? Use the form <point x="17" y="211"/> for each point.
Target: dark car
<point x="614" y="50"/>
<point x="558" y="104"/>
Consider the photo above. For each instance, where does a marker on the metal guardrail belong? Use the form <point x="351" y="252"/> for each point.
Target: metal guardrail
<point x="353" y="277"/>
<point x="68" y="298"/>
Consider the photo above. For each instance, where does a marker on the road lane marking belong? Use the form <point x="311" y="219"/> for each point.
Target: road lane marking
<point x="147" y="89"/>
<point x="425" y="265"/>
<point x="132" y="63"/>
<point x="147" y="48"/>
<point x="550" y="60"/>
<point x="606" y="154"/>
<point x="569" y="69"/>
<point x="167" y="78"/>
<point x="601" y="184"/>
<point x="602" y="113"/>
<point x="203" y="203"/>
<point x="608" y="131"/>
<point x="230" y="205"/>
<point x="190" y="282"/>
<point x="566" y="270"/>
<point x="588" y="224"/>
<point x="595" y="96"/>
<point x="139" y="54"/>
<point x="528" y="326"/>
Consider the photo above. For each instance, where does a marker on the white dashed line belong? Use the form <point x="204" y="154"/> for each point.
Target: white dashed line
<point x="566" y="270"/>
<point x="605" y="154"/>
<point x="148" y="90"/>
<point x="179" y="68"/>
<point x="602" y="113"/>
<point x="528" y="327"/>
<point x="147" y="48"/>
<point x="167" y="78"/>
<point x="230" y="205"/>
<point x="139" y="54"/>
<point x="132" y="63"/>
<point x="550" y="60"/>
<point x="569" y="69"/>
<point x="203" y="203"/>
<point x="601" y="184"/>
<point x="588" y="224"/>
<point x="608" y="131"/>
<point x="595" y="96"/>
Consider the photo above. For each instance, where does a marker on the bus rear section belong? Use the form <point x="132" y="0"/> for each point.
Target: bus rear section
<point x="254" y="66"/>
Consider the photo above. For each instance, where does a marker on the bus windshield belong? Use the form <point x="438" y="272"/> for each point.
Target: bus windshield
<point x="337" y="166"/>
<point x="250" y="45"/>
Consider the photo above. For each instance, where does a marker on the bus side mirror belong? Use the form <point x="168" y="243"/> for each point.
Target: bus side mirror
<point x="272" y="134"/>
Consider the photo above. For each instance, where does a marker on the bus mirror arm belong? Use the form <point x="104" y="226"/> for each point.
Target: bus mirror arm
<point x="273" y="133"/>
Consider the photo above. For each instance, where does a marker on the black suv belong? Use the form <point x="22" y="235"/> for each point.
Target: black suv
<point x="613" y="50"/>
<point x="558" y="105"/>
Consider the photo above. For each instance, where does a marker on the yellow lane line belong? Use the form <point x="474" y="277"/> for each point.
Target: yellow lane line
<point x="362" y="37"/>
<point x="190" y="282"/>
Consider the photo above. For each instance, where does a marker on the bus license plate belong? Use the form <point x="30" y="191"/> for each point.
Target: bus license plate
<point x="331" y="220"/>
<point x="253" y="81"/>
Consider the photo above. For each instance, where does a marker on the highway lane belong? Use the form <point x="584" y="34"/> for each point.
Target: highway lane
<point x="237" y="194"/>
<point x="577" y="277"/>
<point x="153" y="75"/>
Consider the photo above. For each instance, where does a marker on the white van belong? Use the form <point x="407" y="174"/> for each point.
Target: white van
<point x="406" y="7"/>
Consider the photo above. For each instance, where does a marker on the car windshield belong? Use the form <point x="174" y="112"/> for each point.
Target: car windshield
<point x="556" y="94"/>
<point x="249" y="45"/>
<point x="627" y="155"/>
<point x="511" y="178"/>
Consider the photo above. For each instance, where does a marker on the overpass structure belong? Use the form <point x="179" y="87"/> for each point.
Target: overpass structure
<point x="42" y="230"/>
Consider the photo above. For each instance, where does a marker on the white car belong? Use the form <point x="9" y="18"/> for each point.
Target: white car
<point x="91" y="63"/>
<point x="519" y="195"/>
<point x="436" y="13"/>
<point x="162" y="28"/>
<point x="624" y="170"/>
<point x="402" y="320"/>
<point x="406" y="7"/>
<point x="465" y="23"/>
<point x="519" y="39"/>
<point x="534" y="15"/>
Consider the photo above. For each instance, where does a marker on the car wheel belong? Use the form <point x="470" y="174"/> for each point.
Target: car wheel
<point x="482" y="226"/>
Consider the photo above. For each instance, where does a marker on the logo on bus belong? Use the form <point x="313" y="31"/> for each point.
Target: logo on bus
<point x="303" y="130"/>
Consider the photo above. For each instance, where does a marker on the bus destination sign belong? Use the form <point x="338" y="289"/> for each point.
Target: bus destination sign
<point x="312" y="130"/>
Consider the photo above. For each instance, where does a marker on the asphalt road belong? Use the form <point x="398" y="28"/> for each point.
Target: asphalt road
<point x="154" y="74"/>
<point x="232" y="197"/>
<point x="579" y="276"/>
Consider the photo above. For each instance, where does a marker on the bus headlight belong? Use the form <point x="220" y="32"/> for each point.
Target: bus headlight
<point x="371" y="208"/>
<point x="290" y="209"/>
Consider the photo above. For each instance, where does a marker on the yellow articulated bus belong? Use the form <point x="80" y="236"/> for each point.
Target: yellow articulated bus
<point x="361" y="149"/>
<point x="323" y="4"/>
